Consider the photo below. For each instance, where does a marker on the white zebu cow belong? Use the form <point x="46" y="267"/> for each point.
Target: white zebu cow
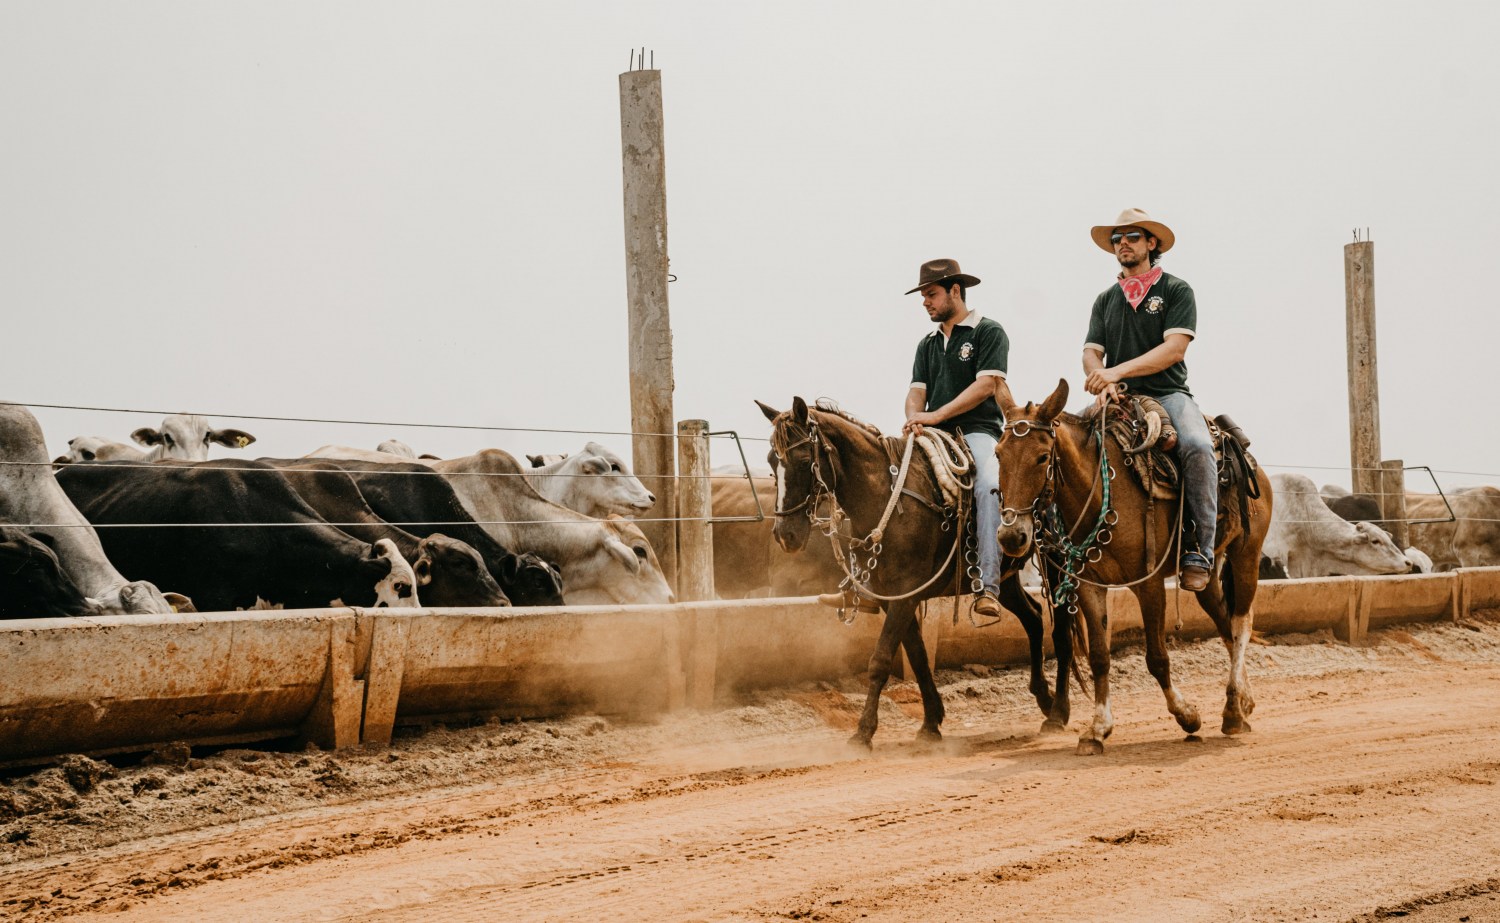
<point x="596" y="482"/>
<point x="1311" y="540"/>
<point x="397" y="447"/>
<point x="370" y="455"/>
<point x="31" y="496"/>
<point x="602" y="561"/>
<point x="183" y="436"/>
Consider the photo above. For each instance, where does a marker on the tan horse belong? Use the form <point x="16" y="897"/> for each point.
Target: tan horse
<point x="1050" y="458"/>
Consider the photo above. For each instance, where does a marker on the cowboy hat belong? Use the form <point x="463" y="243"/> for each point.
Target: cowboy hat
<point x="936" y="272"/>
<point x="1134" y="217"/>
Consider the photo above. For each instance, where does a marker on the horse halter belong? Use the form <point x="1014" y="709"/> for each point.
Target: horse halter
<point x="809" y="502"/>
<point x="1021" y="429"/>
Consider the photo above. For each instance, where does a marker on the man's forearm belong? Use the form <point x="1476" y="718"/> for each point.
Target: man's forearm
<point x="968" y="399"/>
<point x="916" y="402"/>
<point x="1162" y="357"/>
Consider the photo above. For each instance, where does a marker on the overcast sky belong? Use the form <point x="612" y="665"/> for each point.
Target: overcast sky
<point x="412" y="212"/>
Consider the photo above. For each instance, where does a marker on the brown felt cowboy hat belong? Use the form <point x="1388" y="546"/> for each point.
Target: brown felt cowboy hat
<point x="936" y="272"/>
<point x="1134" y="217"/>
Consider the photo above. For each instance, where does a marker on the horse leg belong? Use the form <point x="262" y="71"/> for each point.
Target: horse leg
<point x="1238" y="703"/>
<point x="897" y="618"/>
<point x="1062" y="649"/>
<point x="932" y="702"/>
<point x="1014" y="597"/>
<point x="1091" y="607"/>
<point x="1152" y="596"/>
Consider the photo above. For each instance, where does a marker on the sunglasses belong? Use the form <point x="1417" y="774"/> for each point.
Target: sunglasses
<point x="1134" y="237"/>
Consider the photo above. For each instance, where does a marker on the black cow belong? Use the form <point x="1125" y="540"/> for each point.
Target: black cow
<point x="449" y="572"/>
<point x="423" y="502"/>
<point x="1355" y="508"/>
<point x="229" y="533"/>
<point x="33" y="584"/>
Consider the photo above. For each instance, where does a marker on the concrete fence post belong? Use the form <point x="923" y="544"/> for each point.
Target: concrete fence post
<point x="1364" y="378"/>
<point x="651" y="376"/>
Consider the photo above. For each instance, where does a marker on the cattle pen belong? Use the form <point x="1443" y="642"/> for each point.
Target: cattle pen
<point x="344" y="677"/>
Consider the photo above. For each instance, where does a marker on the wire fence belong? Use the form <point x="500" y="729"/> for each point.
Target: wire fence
<point x="538" y="473"/>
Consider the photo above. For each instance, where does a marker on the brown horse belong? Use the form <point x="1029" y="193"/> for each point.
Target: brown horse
<point x="1050" y="460"/>
<point x="825" y="453"/>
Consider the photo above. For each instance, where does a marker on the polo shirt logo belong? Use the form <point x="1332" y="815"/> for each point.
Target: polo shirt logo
<point x="1154" y="304"/>
<point x="965" y="351"/>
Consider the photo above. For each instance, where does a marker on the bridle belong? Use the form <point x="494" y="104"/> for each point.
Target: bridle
<point x="820" y="487"/>
<point x="1021" y="429"/>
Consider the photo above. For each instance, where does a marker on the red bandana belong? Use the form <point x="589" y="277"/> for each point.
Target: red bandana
<point x="1136" y="287"/>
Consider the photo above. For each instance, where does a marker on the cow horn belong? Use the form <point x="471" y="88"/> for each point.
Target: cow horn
<point x="1153" y="433"/>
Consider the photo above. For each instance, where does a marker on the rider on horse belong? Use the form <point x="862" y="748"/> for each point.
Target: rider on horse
<point x="1138" y="335"/>
<point x="957" y="380"/>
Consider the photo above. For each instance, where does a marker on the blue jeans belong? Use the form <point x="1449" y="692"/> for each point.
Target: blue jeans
<point x="986" y="509"/>
<point x="1200" y="473"/>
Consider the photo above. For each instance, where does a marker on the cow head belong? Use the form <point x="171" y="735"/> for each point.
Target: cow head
<point x="1369" y="549"/>
<point x="596" y="482"/>
<point x="451" y="573"/>
<point x="187" y="437"/>
<point x="533" y="581"/>
<point x="32" y="581"/>
<point x="398" y="588"/>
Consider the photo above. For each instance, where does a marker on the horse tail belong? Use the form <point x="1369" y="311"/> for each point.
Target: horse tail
<point x="1080" y="646"/>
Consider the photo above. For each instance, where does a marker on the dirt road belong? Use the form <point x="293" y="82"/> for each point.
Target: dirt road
<point x="1367" y="790"/>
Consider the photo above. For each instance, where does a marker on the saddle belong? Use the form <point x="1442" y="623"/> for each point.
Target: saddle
<point x="1144" y="431"/>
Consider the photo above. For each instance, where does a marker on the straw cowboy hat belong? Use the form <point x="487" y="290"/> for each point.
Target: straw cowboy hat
<point x="937" y="272"/>
<point x="1134" y="217"/>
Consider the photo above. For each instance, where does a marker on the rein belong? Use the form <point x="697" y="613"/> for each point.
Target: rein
<point x="829" y="525"/>
<point x="1056" y="542"/>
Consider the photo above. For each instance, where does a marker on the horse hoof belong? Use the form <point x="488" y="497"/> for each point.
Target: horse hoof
<point x="1189" y="720"/>
<point x="1090" y="747"/>
<point x="859" y="742"/>
<point x="1233" y="726"/>
<point x="929" y="736"/>
<point x="1052" y="726"/>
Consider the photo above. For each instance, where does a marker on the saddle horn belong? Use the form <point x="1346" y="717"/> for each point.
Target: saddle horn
<point x="1153" y="433"/>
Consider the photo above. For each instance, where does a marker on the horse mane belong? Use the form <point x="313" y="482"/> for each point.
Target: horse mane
<point x="824" y="405"/>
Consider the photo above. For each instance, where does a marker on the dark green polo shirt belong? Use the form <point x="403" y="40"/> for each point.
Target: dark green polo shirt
<point x="978" y="347"/>
<point x="1123" y="333"/>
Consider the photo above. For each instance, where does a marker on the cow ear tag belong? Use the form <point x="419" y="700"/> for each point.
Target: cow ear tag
<point x="242" y="441"/>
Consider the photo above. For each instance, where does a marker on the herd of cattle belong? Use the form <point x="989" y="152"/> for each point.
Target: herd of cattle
<point x="112" y="528"/>
<point x="116" y="528"/>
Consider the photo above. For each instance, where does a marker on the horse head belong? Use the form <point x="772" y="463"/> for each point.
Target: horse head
<point x="1027" y="468"/>
<point x="795" y="449"/>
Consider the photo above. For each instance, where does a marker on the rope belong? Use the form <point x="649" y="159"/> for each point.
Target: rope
<point x="890" y="505"/>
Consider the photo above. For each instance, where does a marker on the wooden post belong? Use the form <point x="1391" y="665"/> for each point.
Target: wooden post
<point x="695" y="549"/>
<point x="1364" y="386"/>
<point x="1393" y="501"/>
<point x="695" y="562"/>
<point x="651" y="381"/>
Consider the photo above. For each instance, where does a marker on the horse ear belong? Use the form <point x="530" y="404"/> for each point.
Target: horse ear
<point x="770" y="412"/>
<point x="1055" y="401"/>
<point x="799" y="410"/>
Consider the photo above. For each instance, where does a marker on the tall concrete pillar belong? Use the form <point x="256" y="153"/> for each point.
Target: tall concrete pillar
<point x="1364" y="385"/>
<point x="651" y="380"/>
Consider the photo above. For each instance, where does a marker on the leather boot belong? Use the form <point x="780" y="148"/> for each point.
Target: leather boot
<point x="987" y="606"/>
<point x="1194" y="574"/>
